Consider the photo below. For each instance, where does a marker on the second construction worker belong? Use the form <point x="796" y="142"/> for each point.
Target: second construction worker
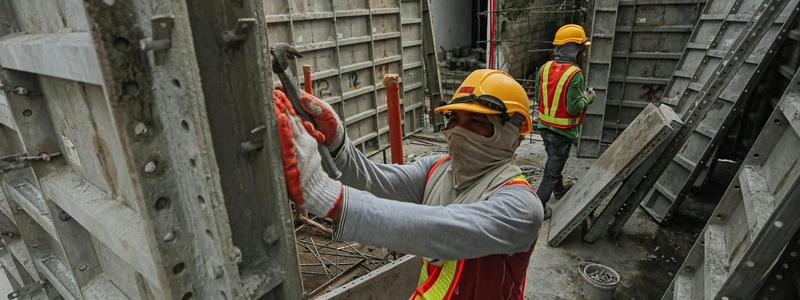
<point x="562" y="108"/>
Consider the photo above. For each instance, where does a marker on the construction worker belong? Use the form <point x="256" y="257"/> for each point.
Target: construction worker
<point x="471" y="214"/>
<point x="562" y="108"/>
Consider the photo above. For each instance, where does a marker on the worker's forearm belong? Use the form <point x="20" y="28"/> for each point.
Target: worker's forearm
<point x="506" y="223"/>
<point x="397" y="182"/>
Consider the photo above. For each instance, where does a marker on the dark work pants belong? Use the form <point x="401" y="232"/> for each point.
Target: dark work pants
<point x="557" y="147"/>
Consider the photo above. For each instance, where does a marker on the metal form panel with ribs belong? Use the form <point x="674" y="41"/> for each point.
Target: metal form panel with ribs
<point x="599" y="69"/>
<point x="755" y="221"/>
<point x="649" y="37"/>
<point x="720" y="17"/>
<point x="350" y="45"/>
<point x="123" y="171"/>
<point x="634" y="148"/>
<point x="710" y="125"/>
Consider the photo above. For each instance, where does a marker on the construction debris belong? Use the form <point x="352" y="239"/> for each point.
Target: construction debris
<point x="603" y="277"/>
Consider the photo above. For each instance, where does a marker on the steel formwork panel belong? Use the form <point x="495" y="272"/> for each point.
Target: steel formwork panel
<point x="369" y="38"/>
<point x="142" y="202"/>
<point x="649" y="37"/>
<point x="680" y="175"/>
<point x="755" y="220"/>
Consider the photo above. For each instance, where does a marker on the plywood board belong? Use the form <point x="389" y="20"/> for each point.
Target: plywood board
<point x="643" y="136"/>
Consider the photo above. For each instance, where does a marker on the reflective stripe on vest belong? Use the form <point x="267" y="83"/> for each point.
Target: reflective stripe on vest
<point x="553" y="96"/>
<point x="439" y="282"/>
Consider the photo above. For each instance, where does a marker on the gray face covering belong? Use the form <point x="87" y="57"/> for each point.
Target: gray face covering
<point x="474" y="155"/>
<point x="568" y="52"/>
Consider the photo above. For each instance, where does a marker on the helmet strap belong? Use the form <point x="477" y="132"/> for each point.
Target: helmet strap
<point x="516" y="120"/>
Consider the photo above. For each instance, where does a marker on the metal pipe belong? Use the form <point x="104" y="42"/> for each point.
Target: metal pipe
<point x="392" y="84"/>
<point x="307" y="79"/>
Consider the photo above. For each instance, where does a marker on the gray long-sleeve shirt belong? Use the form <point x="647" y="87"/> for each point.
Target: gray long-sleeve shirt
<point x="381" y="206"/>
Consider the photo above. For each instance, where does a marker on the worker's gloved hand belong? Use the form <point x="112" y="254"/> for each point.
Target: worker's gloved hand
<point x="306" y="182"/>
<point x="326" y="119"/>
<point x="589" y="94"/>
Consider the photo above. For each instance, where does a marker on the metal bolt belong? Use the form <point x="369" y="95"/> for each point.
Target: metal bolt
<point x="140" y="130"/>
<point x="169" y="237"/>
<point x="149" y="44"/>
<point x="150" y="167"/>
<point x="218" y="271"/>
<point x="83" y="267"/>
<point x="237" y="255"/>
<point x="64" y="216"/>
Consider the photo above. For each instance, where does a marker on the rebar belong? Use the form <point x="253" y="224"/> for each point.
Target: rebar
<point x="319" y="257"/>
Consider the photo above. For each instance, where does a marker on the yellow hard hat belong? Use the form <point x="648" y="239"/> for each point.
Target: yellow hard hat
<point x="571" y="33"/>
<point x="492" y="92"/>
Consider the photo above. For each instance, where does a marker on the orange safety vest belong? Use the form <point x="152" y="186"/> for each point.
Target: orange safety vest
<point x="553" y="82"/>
<point x="440" y="282"/>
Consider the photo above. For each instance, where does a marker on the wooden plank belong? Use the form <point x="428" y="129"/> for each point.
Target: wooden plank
<point x="64" y="55"/>
<point x="630" y="149"/>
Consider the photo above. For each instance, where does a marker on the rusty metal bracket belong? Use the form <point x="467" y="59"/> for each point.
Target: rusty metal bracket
<point x="22" y="161"/>
<point x="28" y="289"/>
<point x="161" y="41"/>
<point x="239" y="34"/>
<point x="256" y="141"/>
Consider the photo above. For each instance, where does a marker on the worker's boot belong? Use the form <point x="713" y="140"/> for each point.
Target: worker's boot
<point x="567" y="184"/>
<point x="548" y="212"/>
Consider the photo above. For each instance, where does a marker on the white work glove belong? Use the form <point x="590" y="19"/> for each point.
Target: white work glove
<point x="589" y="94"/>
<point x="327" y="121"/>
<point x="306" y="182"/>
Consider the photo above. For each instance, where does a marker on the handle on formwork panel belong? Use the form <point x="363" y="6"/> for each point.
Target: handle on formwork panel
<point x="307" y="78"/>
<point x="392" y="84"/>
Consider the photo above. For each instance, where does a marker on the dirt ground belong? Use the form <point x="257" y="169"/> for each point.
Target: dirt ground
<point x="645" y="255"/>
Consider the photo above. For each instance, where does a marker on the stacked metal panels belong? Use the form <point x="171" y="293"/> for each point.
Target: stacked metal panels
<point x="139" y="158"/>
<point x="711" y="117"/>
<point x="350" y="45"/>
<point x="738" y="254"/>
<point x="648" y="39"/>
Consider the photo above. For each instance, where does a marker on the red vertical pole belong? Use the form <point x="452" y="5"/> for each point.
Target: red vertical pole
<point x="307" y="79"/>
<point x="392" y="84"/>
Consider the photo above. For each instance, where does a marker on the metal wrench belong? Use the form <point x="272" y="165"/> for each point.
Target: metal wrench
<point x="281" y="54"/>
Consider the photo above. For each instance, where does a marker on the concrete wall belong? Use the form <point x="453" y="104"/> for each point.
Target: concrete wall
<point x="451" y="23"/>
<point x="533" y="31"/>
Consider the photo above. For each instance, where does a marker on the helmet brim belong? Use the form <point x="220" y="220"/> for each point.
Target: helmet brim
<point x="471" y="107"/>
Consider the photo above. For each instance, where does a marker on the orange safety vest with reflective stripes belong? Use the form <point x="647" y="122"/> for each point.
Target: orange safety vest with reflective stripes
<point x="554" y="79"/>
<point x="488" y="277"/>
